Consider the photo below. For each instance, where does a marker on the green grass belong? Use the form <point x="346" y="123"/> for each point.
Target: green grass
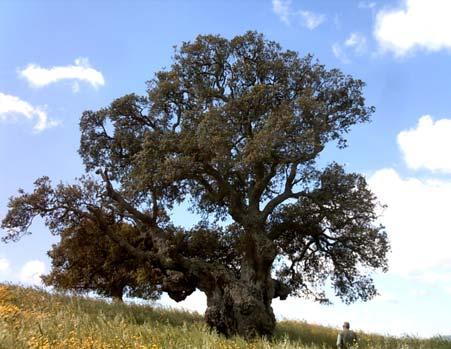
<point x="33" y="318"/>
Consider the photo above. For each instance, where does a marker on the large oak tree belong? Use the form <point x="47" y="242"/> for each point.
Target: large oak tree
<point x="234" y="128"/>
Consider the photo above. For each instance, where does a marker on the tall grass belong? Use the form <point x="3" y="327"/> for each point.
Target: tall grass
<point x="33" y="318"/>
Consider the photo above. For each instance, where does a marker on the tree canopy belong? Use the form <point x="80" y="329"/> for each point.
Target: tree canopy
<point x="234" y="128"/>
<point x="86" y="260"/>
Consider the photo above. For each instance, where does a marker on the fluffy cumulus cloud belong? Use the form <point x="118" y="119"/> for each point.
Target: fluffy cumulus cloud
<point x="81" y="70"/>
<point x="354" y="45"/>
<point x="308" y="19"/>
<point x="417" y="215"/>
<point x="417" y="220"/>
<point x="427" y="145"/>
<point x="12" y="108"/>
<point x="31" y="272"/>
<point x="418" y="24"/>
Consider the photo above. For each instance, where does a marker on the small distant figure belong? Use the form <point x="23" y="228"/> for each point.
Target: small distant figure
<point x="346" y="339"/>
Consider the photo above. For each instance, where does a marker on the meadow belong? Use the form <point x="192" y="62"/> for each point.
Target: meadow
<point x="34" y="318"/>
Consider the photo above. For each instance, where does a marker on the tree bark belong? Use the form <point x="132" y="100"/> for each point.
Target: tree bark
<point x="240" y="309"/>
<point x="243" y="306"/>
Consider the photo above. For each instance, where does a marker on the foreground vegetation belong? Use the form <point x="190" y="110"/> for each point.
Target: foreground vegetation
<point x="32" y="318"/>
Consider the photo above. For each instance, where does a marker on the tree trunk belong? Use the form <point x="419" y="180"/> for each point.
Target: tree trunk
<point x="243" y="306"/>
<point x="240" y="309"/>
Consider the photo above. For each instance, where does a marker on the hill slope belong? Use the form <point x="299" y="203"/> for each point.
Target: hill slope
<point x="32" y="318"/>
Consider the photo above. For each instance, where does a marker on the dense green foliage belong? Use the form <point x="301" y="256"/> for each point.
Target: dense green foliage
<point x="87" y="260"/>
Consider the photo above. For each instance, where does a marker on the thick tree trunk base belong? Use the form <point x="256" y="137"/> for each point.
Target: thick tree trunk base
<point x="241" y="309"/>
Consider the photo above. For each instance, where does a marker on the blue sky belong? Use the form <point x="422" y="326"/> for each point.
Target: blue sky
<point x="58" y="59"/>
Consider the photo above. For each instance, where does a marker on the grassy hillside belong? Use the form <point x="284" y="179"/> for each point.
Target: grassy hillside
<point x="31" y="318"/>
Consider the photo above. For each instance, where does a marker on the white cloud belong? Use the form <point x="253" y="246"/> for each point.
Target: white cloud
<point x="31" y="272"/>
<point x="12" y="107"/>
<point x="308" y="19"/>
<point x="428" y="145"/>
<point x="418" y="24"/>
<point x="311" y="20"/>
<point x="355" y="44"/>
<point x="417" y="220"/>
<point x="282" y="9"/>
<point x="80" y="71"/>
<point x="4" y="265"/>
